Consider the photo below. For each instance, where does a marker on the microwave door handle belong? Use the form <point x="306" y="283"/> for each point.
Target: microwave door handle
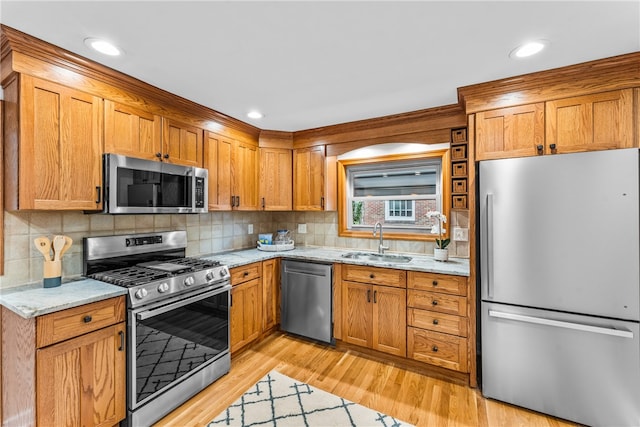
<point x="147" y="314"/>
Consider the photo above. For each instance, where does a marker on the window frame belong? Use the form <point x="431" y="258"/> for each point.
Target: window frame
<point x="387" y="208"/>
<point x="343" y="194"/>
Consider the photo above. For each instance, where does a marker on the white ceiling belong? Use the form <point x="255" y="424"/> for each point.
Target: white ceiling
<point x="308" y="64"/>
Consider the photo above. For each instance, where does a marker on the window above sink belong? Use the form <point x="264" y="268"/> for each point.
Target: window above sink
<point x="395" y="190"/>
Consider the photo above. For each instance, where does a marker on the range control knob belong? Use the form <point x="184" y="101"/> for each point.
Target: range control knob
<point x="140" y="293"/>
<point x="224" y="271"/>
<point x="163" y="287"/>
<point x="189" y="281"/>
<point x="210" y="276"/>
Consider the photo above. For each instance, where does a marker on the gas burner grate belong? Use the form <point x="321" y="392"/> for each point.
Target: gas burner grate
<point x="195" y="263"/>
<point x="130" y="276"/>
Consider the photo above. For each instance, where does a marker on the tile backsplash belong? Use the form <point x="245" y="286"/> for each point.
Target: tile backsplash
<point x="206" y="233"/>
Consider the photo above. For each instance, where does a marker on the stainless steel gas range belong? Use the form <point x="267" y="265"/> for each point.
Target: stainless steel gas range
<point x="177" y="317"/>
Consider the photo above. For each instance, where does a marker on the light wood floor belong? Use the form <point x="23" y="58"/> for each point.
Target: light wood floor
<point x="404" y="394"/>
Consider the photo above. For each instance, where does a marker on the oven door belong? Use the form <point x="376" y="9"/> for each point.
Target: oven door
<point x="171" y="341"/>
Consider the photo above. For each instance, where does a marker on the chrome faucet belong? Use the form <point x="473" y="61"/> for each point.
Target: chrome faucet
<point x="381" y="246"/>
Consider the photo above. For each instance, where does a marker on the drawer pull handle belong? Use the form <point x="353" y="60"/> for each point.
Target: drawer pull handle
<point x="435" y="321"/>
<point x="121" y="334"/>
<point x="371" y="276"/>
<point x="375" y="297"/>
<point x="435" y="283"/>
<point x="434" y="348"/>
<point x="246" y="273"/>
<point x="434" y="302"/>
<point x="368" y="295"/>
<point x="87" y="319"/>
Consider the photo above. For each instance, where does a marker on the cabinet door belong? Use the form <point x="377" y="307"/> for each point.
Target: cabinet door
<point x="60" y="151"/>
<point x="246" y="313"/>
<point x="308" y="179"/>
<point x="357" y="320"/>
<point x="510" y="132"/>
<point x="217" y="159"/>
<point x="244" y="174"/>
<point x="182" y="143"/>
<point x="270" y="293"/>
<point x="592" y="122"/>
<point x="131" y="131"/>
<point x="276" y="169"/>
<point x="82" y="381"/>
<point x="389" y="320"/>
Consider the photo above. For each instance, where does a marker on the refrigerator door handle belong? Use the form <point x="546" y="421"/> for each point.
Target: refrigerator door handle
<point x="560" y="324"/>
<point x="489" y="229"/>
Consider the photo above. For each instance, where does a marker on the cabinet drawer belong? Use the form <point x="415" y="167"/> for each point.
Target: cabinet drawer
<point x="245" y="273"/>
<point x="438" y="322"/>
<point x="459" y="202"/>
<point x="459" y="135"/>
<point x="459" y="169"/>
<point x="454" y="285"/>
<point x="374" y="275"/>
<point x="438" y="349"/>
<point x="73" y="322"/>
<point x="434" y="301"/>
<point x="459" y="185"/>
<point x="459" y="152"/>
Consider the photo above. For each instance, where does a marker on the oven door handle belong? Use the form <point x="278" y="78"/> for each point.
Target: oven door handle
<point x="143" y="315"/>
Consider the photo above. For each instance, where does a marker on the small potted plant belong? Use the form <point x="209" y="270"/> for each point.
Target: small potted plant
<point x="440" y="252"/>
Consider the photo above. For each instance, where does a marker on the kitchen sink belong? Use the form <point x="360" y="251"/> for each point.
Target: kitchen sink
<point x="368" y="256"/>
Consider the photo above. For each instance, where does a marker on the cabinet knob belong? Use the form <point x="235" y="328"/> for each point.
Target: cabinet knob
<point x="434" y="348"/>
<point x="166" y="156"/>
<point x="435" y="283"/>
<point x="158" y="155"/>
<point x="246" y="273"/>
<point x="372" y="276"/>
<point x="553" y="148"/>
<point x="435" y="321"/>
<point x="87" y="319"/>
<point x="434" y="302"/>
<point x="539" y="148"/>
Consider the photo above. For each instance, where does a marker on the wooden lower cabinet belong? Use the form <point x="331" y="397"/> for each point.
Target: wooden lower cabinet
<point x="81" y="381"/>
<point x="374" y="317"/>
<point x="74" y="379"/>
<point x="246" y="305"/>
<point x="437" y="320"/>
<point x="270" y="294"/>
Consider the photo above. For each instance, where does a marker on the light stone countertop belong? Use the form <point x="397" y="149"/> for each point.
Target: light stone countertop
<point x="419" y="262"/>
<point x="31" y="301"/>
<point x="34" y="300"/>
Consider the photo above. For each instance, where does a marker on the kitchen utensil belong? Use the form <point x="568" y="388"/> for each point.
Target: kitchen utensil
<point x="68" y="241"/>
<point x="58" y="244"/>
<point x="43" y="244"/>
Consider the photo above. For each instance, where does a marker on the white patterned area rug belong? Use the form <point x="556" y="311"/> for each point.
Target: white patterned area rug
<point x="277" y="400"/>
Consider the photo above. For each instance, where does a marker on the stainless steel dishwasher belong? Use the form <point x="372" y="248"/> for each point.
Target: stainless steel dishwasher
<point x="307" y="300"/>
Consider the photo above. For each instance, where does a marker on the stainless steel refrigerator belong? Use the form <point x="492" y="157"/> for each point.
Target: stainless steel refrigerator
<point x="560" y="277"/>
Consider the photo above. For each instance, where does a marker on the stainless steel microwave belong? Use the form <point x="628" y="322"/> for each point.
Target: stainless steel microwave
<point x="138" y="186"/>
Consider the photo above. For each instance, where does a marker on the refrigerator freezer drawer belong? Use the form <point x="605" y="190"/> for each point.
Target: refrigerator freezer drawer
<point x="581" y="368"/>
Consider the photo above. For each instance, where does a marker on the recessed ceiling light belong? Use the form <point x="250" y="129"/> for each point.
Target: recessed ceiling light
<point x="103" y="46"/>
<point x="528" y="49"/>
<point x="255" y="114"/>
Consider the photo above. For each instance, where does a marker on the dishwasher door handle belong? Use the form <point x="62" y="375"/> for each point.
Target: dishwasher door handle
<point x="305" y="272"/>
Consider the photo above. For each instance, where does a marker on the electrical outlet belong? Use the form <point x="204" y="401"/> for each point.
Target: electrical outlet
<point x="460" y="234"/>
<point x="302" y="228"/>
<point x="250" y="228"/>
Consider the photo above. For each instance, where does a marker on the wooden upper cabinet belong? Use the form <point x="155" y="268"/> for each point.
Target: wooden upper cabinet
<point x="58" y="148"/>
<point x="181" y="143"/>
<point x="233" y="173"/>
<point x="217" y="159"/>
<point x="244" y="175"/>
<point x="276" y="169"/>
<point x="132" y="131"/>
<point x="308" y="178"/>
<point x="510" y="132"/>
<point x="599" y="121"/>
